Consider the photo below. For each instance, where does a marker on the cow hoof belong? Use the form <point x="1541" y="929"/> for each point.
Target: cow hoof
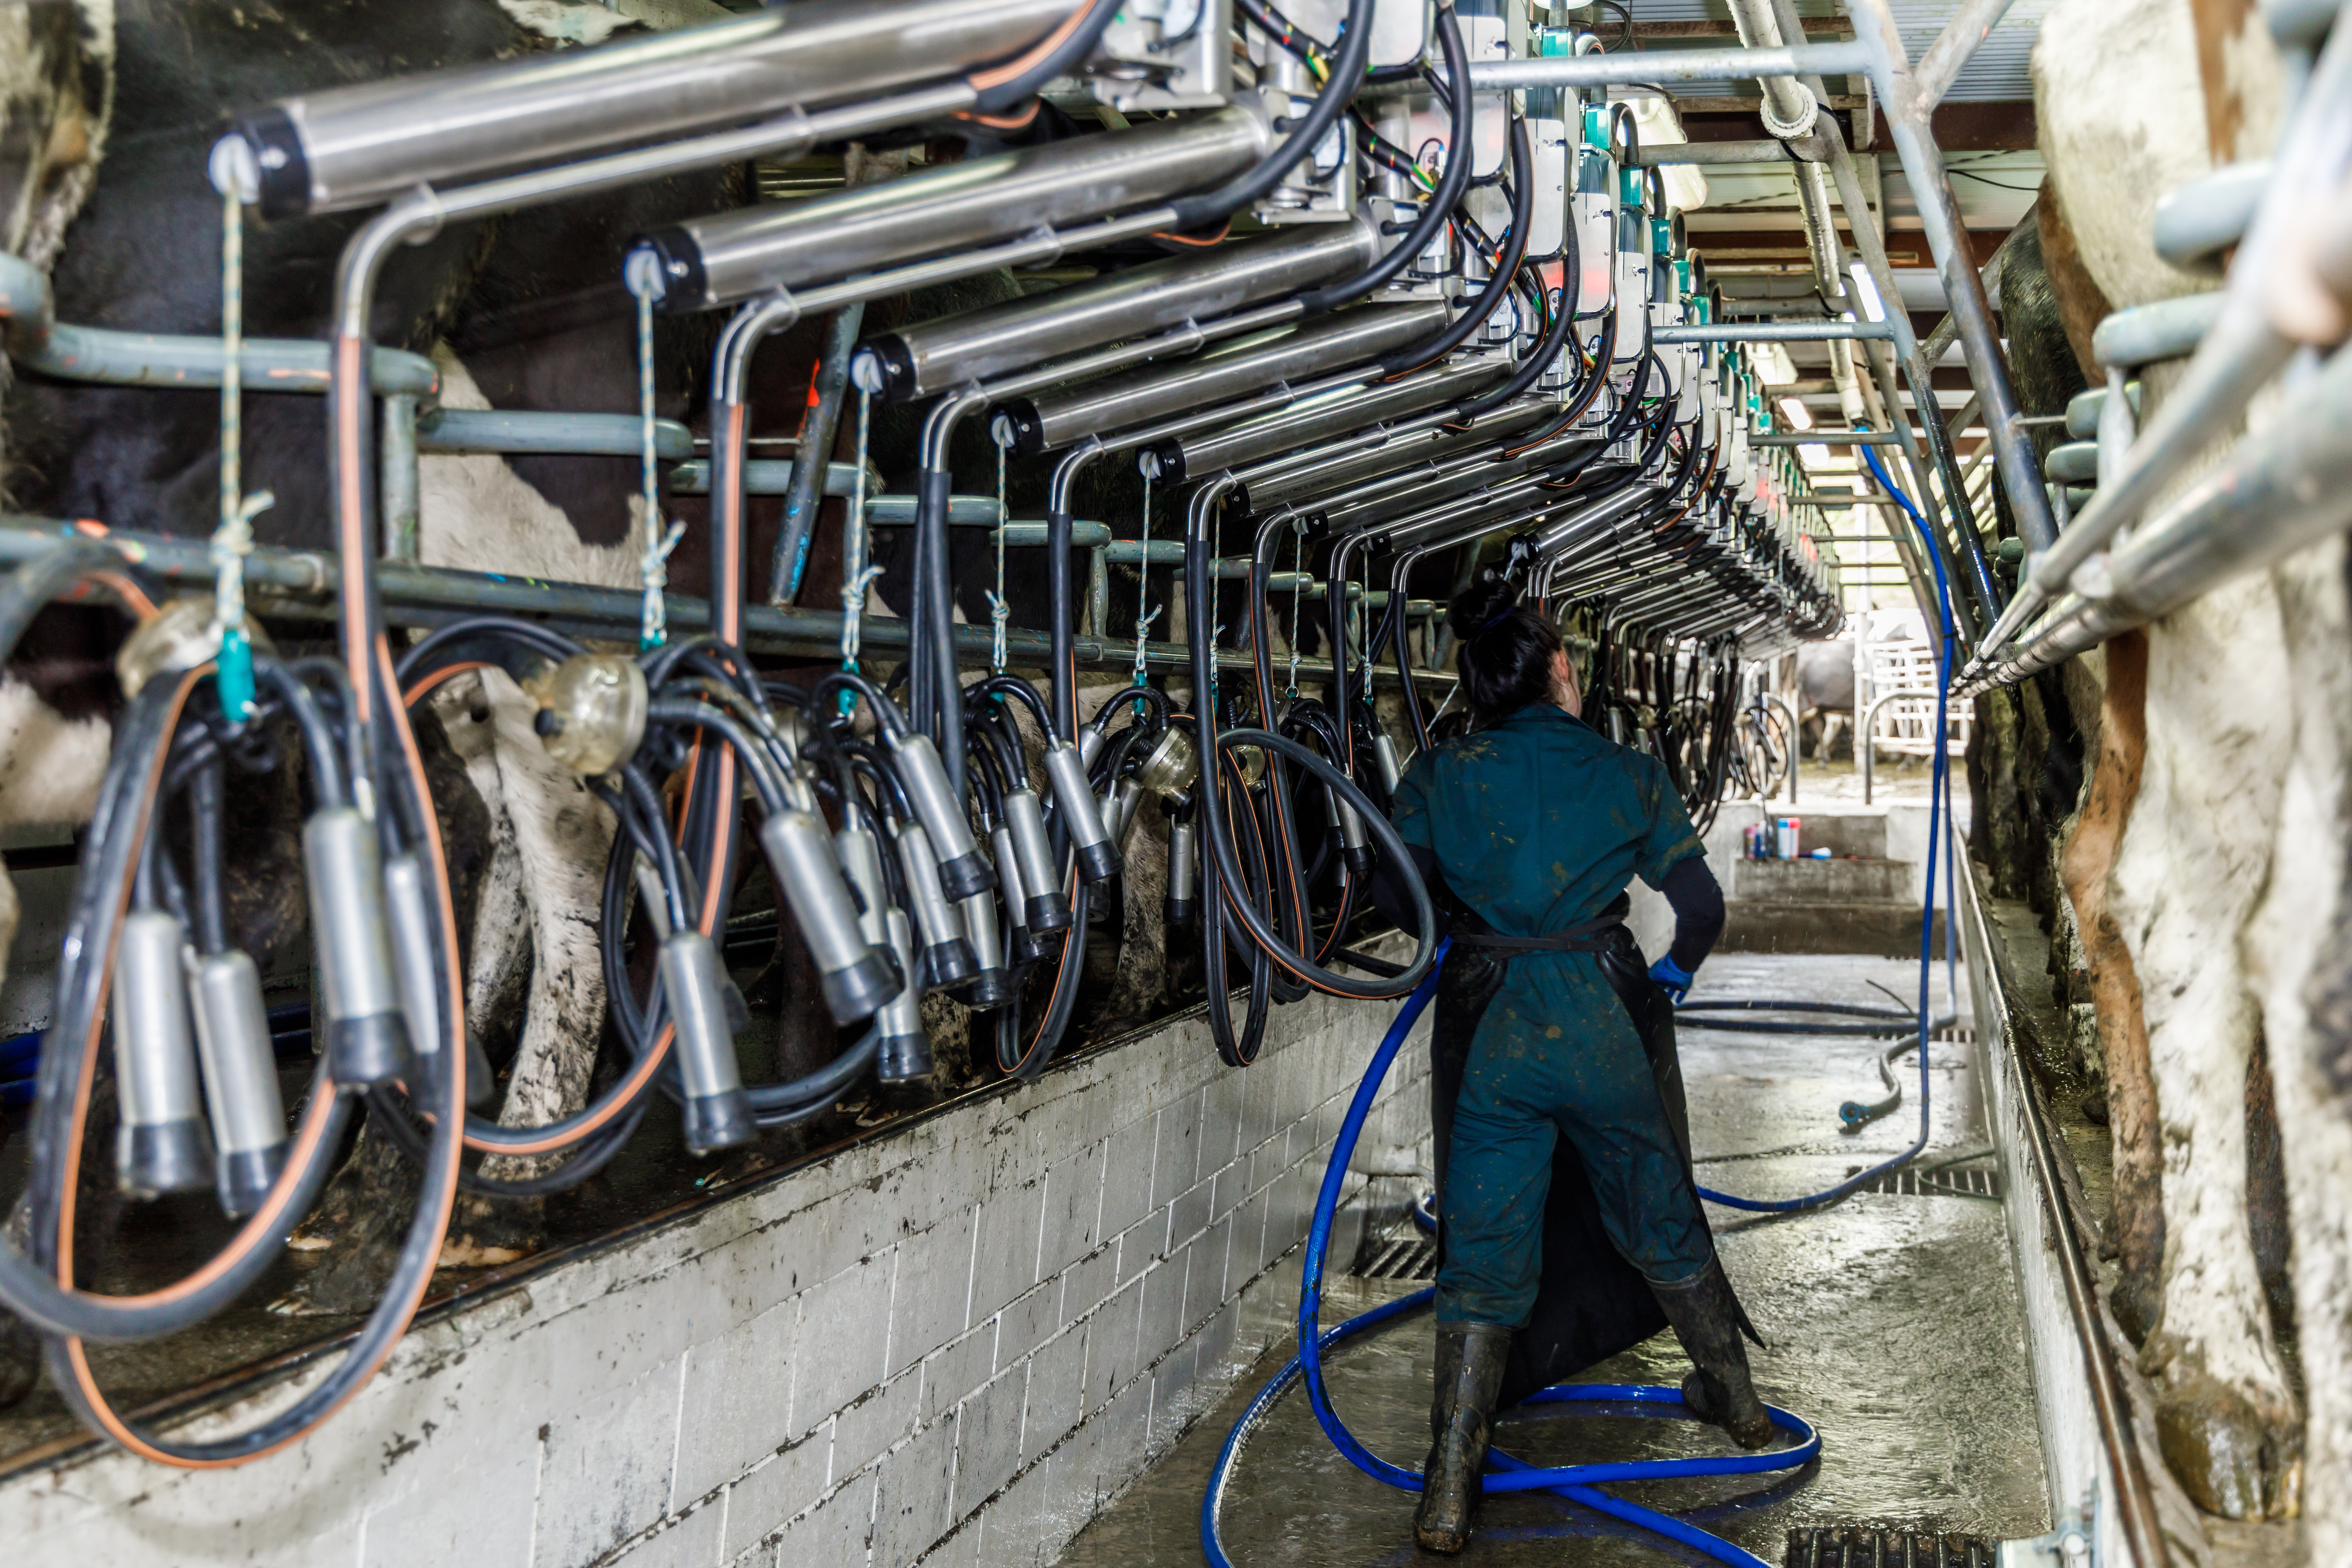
<point x="465" y="1252"/>
<point x="20" y="1359"/>
<point x="2230" y="1458"/>
<point x="485" y="1232"/>
<point x="2136" y="1300"/>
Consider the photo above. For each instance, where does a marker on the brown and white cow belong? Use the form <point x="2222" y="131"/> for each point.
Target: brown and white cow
<point x="2207" y="868"/>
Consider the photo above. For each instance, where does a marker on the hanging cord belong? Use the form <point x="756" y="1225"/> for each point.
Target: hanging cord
<point x="1145" y="610"/>
<point x="1000" y="610"/>
<point x="232" y="541"/>
<point x="857" y="576"/>
<point x="1298" y="593"/>
<point x="652" y="565"/>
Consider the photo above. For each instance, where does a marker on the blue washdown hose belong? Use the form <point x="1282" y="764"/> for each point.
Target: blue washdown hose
<point x="1940" y="790"/>
<point x="1577" y="1482"/>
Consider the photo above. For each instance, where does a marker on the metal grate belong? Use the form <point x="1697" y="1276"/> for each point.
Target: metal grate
<point x="1868" y="1546"/>
<point x="1408" y="1256"/>
<point x="1945" y="1183"/>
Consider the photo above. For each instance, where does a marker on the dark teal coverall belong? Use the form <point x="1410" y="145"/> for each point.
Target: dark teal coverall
<point x="1537" y="825"/>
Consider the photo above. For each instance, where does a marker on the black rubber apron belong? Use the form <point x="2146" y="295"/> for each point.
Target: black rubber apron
<point x="1590" y="1304"/>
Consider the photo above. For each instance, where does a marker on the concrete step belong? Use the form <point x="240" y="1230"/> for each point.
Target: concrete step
<point x="1872" y="881"/>
<point x="1886" y="928"/>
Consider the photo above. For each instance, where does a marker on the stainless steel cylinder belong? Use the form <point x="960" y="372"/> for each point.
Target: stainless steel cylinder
<point x="1098" y="858"/>
<point x="1237" y="370"/>
<point x="963" y="871"/>
<point x="1183" y="870"/>
<point x="1332" y="478"/>
<point x="992" y="986"/>
<point x="1274" y="434"/>
<point x="408" y="912"/>
<point x="1355" y="848"/>
<point x="367" y="1034"/>
<point x="1384" y="756"/>
<point x="857" y="980"/>
<point x="1118" y="810"/>
<point x="973" y="346"/>
<point x="354" y="146"/>
<point x="721" y="261"/>
<point x="248" y="1115"/>
<point x="861" y="862"/>
<point x="718" y="1114"/>
<point x="1008" y="871"/>
<point x="160" y="1146"/>
<point x="947" y="957"/>
<point x="1044" y="909"/>
<point x="906" y="1051"/>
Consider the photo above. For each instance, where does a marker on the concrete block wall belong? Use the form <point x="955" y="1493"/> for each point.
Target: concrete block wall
<point x="950" y="1345"/>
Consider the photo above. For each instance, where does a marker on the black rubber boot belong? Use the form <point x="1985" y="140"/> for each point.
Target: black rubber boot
<point x="1461" y="1423"/>
<point x="1706" y="1319"/>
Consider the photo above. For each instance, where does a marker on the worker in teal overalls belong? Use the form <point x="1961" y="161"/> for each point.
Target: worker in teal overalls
<point x="1570" y="1225"/>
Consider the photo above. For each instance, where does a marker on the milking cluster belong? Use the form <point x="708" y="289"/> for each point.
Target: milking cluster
<point x="1367" y="315"/>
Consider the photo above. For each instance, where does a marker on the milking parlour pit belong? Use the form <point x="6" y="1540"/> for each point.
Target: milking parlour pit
<point x="768" y="686"/>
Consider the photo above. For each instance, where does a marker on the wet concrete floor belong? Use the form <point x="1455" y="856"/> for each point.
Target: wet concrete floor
<point x="1895" y="1323"/>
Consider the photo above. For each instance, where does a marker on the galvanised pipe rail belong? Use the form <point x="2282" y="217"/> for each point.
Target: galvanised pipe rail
<point x="2161" y="329"/>
<point x="1956" y="265"/>
<point x="2241" y="352"/>
<point x="303" y="585"/>
<point x="2276" y="492"/>
<point x="1773" y="333"/>
<point x="1648" y="66"/>
<point x="1670" y="153"/>
<point x="562" y="434"/>
<point x="37" y="341"/>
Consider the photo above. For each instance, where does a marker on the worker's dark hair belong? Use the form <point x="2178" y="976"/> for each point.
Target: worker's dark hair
<point x="1504" y="650"/>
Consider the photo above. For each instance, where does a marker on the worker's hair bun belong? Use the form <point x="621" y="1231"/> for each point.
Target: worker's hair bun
<point x="1503" y="649"/>
<point x="1481" y="604"/>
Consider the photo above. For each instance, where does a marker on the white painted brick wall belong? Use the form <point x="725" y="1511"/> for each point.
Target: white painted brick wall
<point x="950" y="1346"/>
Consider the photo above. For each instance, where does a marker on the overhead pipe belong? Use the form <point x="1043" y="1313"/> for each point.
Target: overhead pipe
<point x="710" y="262"/>
<point x="1650" y="67"/>
<point x="1044" y="421"/>
<point x="350" y="147"/>
<point x="930" y="357"/>
<point x="1366" y="411"/>
<point x="1956" y="264"/>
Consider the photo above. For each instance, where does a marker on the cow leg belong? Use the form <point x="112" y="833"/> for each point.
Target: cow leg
<point x="2299" y="953"/>
<point x="2135" y="1226"/>
<point x="50" y="768"/>
<point x="2219" y="740"/>
<point x="499" y="956"/>
<point x="1143" y="945"/>
<point x="562" y="837"/>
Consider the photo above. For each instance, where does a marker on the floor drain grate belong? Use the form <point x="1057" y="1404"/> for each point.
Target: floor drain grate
<point x="1946" y="1183"/>
<point x="1860" y="1546"/>
<point x="1398" y="1257"/>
